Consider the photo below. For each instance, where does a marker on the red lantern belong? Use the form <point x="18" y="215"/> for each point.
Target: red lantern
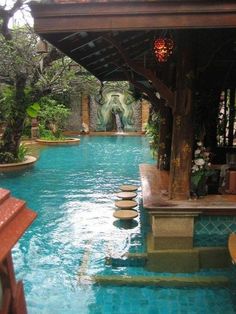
<point x="163" y="48"/>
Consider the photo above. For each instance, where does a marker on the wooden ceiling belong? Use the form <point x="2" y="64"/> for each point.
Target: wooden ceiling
<point x="107" y="37"/>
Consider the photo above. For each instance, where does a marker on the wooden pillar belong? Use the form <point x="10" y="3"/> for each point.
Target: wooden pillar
<point x="182" y="136"/>
<point x="163" y="160"/>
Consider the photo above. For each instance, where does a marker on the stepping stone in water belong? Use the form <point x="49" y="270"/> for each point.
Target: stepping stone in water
<point x="126" y="195"/>
<point x="128" y="188"/>
<point x="126" y="204"/>
<point x="125" y="214"/>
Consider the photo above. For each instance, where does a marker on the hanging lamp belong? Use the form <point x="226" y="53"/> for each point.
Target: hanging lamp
<point x="163" y="48"/>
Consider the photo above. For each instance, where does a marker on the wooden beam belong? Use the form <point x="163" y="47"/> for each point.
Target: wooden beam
<point x="135" y="15"/>
<point x="148" y="74"/>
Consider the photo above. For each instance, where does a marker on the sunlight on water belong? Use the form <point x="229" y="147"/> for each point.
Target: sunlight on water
<point x="73" y="191"/>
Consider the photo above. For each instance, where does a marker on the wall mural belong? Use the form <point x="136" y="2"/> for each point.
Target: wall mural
<point x="115" y="111"/>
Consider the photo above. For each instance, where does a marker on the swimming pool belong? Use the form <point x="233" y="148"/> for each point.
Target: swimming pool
<point x="72" y="189"/>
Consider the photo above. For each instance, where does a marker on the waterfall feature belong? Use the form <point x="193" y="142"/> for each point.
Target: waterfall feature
<point x="118" y="123"/>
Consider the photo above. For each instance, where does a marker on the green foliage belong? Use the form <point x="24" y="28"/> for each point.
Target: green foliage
<point x="152" y="132"/>
<point x="19" y="54"/>
<point x="33" y="110"/>
<point x="48" y="135"/>
<point x="22" y="152"/>
<point x="52" y="117"/>
<point x="7" y="96"/>
<point x="6" y="157"/>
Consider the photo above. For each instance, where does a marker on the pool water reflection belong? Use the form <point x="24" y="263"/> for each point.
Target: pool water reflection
<point x="73" y="191"/>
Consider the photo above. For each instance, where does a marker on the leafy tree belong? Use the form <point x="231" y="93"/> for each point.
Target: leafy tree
<point x="27" y="77"/>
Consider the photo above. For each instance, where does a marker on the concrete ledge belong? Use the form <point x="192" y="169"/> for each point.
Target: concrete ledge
<point x="28" y="162"/>
<point x="69" y="141"/>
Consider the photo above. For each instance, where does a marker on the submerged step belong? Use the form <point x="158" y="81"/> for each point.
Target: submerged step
<point x="129" y="260"/>
<point x="159" y="281"/>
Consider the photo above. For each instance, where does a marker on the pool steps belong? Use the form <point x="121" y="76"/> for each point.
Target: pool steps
<point x="82" y="273"/>
<point x="175" y="261"/>
<point x="15" y="219"/>
<point x="160" y="281"/>
<point x="185" y="259"/>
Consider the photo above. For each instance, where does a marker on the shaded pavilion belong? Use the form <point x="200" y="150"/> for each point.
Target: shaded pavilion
<point x="114" y="41"/>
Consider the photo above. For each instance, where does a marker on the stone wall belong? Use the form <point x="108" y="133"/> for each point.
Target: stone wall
<point x="74" y="122"/>
<point x="145" y="113"/>
<point x="89" y="114"/>
<point x="93" y="106"/>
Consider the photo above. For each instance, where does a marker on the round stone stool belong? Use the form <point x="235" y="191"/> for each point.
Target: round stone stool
<point x="128" y="188"/>
<point x="126" y="204"/>
<point x="126" y="214"/>
<point x="126" y="195"/>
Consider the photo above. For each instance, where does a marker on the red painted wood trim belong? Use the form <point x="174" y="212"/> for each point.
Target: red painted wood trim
<point x="19" y="304"/>
<point x="12" y="232"/>
<point x="6" y="302"/>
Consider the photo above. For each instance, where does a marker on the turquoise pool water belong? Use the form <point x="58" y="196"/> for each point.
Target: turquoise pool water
<point x="73" y="191"/>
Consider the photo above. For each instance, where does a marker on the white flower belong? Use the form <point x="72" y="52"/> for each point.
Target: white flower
<point x="199" y="162"/>
<point x="195" y="168"/>
<point x="201" y="159"/>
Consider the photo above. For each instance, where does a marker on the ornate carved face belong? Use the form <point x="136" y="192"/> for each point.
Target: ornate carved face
<point x="116" y="107"/>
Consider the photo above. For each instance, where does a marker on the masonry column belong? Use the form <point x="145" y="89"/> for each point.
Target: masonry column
<point x="85" y="113"/>
<point x="145" y="113"/>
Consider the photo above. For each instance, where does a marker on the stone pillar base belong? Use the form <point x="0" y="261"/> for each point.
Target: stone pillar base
<point x="173" y="230"/>
<point x="34" y="132"/>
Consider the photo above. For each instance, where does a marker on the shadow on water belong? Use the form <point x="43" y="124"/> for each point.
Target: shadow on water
<point x="125" y="224"/>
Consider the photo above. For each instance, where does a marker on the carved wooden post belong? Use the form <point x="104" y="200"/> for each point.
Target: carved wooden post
<point x="163" y="160"/>
<point x="182" y="136"/>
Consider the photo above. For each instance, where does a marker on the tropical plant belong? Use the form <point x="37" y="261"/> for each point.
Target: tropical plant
<point x="22" y="152"/>
<point x="52" y="118"/>
<point x="152" y="132"/>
